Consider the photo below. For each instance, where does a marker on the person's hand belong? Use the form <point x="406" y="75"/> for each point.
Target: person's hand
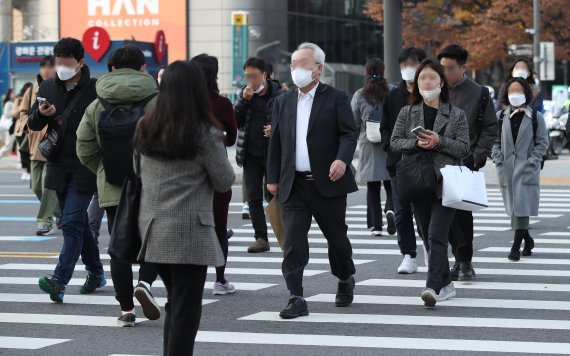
<point x="428" y="140"/>
<point x="469" y="162"/>
<point x="247" y="93"/>
<point x="338" y="168"/>
<point x="47" y="110"/>
<point x="267" y="130"/>
<point x="273" y="188"/>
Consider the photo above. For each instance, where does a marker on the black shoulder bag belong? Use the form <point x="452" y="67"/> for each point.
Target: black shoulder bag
<point x="126" y="242"/>
<point x="416" y="176"/>
<point x="54" y="136"/>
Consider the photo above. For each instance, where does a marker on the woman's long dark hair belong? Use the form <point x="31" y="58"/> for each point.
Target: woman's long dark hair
<point x="209" y="65"/>
<point x="376" y="88"/>
<point x="416" y="98"/>
<point x="179" y="124"/>
<point x="7" y="95"/>
<point x="24" y="88"/>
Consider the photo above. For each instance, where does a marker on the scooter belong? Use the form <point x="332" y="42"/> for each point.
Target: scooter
<point x="557" y="137"/>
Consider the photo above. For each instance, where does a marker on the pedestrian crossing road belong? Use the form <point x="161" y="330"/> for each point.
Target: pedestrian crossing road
<point x="510" y="308"/>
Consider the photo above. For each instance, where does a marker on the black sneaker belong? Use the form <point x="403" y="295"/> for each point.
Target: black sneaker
<point x="454" y="271"/>
<point x="345" y="293"/>
<point x="466" y="271"/>
<point x="149" y="306"/>
<point x="92" y="283"/>
<point x="127" y="320"/>
<point x="230" y="233"/>
<point x="297" y="307"/>
<point x="391" y="218"/>
<point x="53" y="287"/>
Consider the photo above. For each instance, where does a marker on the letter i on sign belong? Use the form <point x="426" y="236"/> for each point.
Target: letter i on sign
<point x="96" y="41"/>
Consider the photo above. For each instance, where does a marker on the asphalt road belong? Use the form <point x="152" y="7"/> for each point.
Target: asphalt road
<point x="510" y="308"/>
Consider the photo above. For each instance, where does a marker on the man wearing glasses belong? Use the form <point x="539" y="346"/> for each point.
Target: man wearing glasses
<point x="253" y="116"/>
<point x="308" y="168"/>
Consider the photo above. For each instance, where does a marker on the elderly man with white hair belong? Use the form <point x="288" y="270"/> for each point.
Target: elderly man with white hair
<point x="310" y="151"/>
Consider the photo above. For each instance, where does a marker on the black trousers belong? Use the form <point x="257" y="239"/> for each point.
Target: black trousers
<point x="404" y="223"/>
<point x="122" y="272"/>
<point x="253" y="173"/>
<point x="184" y="286"/>
<point x="461" y="236"/>
<point x="434" y="223"/>
<point x="373" y="202"/>
<point x="304" y="203"/>
<point x="24" y="154"/>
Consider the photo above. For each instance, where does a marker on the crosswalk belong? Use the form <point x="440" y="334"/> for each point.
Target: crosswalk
<point x="492" y="314"/>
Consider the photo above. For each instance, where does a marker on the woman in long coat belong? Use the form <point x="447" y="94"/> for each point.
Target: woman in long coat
<point x="371" y="170"/>
<point x="517" y="154"/>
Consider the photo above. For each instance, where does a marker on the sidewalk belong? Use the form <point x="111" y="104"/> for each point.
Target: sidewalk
<point x="555" y="173"/>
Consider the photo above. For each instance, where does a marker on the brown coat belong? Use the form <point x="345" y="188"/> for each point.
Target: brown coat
<point x="34" y="137"/>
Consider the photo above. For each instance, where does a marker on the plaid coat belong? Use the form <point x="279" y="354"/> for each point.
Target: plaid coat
<point x="450" y="124"/>
<point x="176" y="219"/>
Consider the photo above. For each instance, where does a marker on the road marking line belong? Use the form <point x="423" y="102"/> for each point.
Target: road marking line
<point x="542" y="287"/>
<point x="382" y="342"/>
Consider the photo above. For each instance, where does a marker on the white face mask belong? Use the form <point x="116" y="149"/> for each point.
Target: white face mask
<point x="65" y="73"/>
<point x="517" y="100"/>
<point x="408" y="74"/>
<point x="159" y="80"/>
<point x="430" y="95"/>
<point x="302" y="77"/>
<point x="260" y="89"/>
<point x="520" y="73"/>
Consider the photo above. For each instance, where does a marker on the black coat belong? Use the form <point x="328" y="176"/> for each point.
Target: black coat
<point x="65" y="164"/>
<point x="243" y="111"/>
<point x="397" y="98"/>
<point x="332" y="135"/>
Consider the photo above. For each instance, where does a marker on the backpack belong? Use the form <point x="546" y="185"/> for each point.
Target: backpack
<point x="534" y="121"/>
<point x="116" y="128"/>
<point x="373" y="124"/>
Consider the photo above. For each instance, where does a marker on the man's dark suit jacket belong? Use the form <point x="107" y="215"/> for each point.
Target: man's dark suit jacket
<point x="331" y="135"/>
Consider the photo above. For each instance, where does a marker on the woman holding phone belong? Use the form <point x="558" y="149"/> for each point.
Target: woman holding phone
<point x="430" y="124"/>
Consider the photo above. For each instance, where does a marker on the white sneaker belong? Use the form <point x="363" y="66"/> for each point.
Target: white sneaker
<point x="223" y="289"/>
<point x="429" y="297"/>
<point x="376" y="231"/>
<point x="446" y="292"/>
<point x="408" y="265"/>
<point x="426" y="256"/>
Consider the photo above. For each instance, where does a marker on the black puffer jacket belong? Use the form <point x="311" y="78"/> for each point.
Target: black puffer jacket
<point x="397" y="99"/>
<point x="243" y="111"/>
<point x="65" y="165"/>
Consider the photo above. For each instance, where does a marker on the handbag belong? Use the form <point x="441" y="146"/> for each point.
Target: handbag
<point x="416" y="178"/>
<point x="275" y="217"/>
<point x="126" y="242"/>
<point x="372" y="125"/>
<point x="54" y="136"/>
<point x="463" y="189"/>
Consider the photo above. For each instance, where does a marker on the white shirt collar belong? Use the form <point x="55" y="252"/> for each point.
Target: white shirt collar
<point x="310" y="93"/>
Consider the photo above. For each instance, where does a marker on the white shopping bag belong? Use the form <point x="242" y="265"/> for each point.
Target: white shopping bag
<point x="463" y="189"/>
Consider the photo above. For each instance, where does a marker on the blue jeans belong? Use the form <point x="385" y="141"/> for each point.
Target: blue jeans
<point x="77" y="236"/>
<point x="404" y="223"/>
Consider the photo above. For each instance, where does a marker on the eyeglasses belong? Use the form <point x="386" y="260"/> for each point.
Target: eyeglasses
<point x="302" y="65"/>
<point x="252" y="75"/>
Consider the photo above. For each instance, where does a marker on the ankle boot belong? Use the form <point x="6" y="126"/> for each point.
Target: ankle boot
<point x="515" y="253"/>
<point x="528" y="244"/>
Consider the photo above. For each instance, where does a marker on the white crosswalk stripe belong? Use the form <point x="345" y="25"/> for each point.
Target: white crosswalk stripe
<point x="256" y="272"/>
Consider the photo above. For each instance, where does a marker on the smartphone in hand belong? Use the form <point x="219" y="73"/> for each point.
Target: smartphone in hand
<point x="43" y="102"/>
<point x="419" y="130"/>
